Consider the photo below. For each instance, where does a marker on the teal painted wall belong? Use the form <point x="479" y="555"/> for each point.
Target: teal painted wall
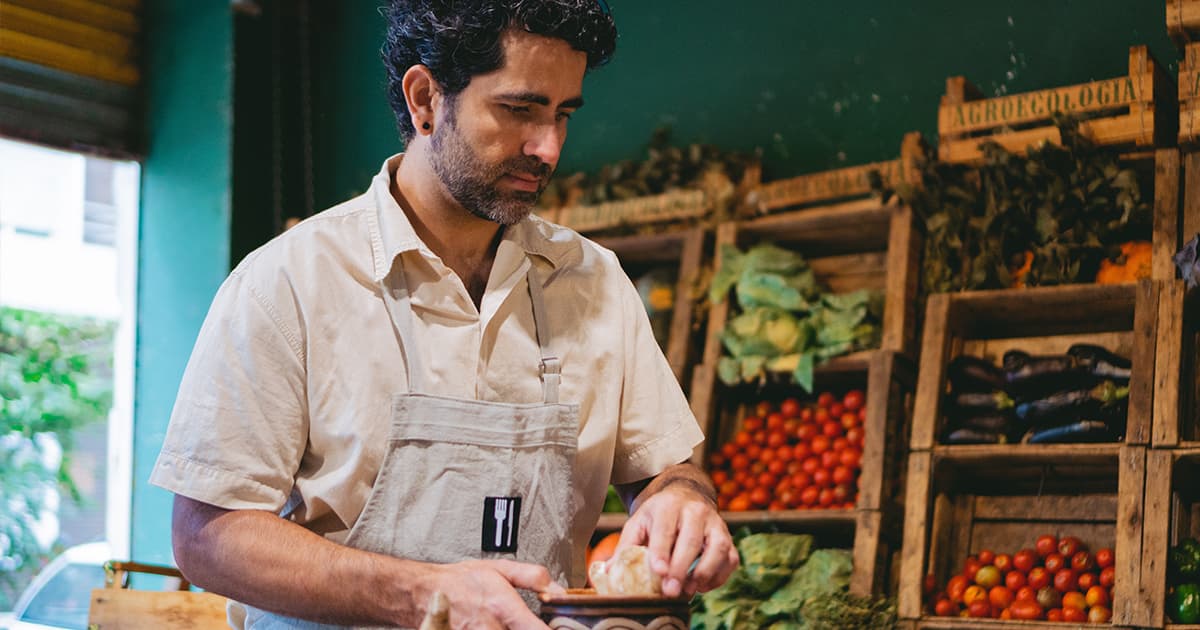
<point x="815" y="85"/>
<point x="185" y="226"/>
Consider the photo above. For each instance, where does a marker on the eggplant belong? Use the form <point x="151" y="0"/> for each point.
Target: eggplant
<point x="987" y="422"/>
<point x="1101" y="363"/>
<point x="975" y="436"/>
<point x="1067" y="406"/>
<point x="969" y="403"/>
<point x="968" y="373"/>
<point x="1082" y="431"/>
<point x="1032" y="377"/>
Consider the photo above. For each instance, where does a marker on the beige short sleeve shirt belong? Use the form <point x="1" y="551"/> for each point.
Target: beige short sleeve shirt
<point x="285" y="402"/>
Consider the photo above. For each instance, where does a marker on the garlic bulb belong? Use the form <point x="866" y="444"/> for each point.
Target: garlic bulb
<point x="626" y="573"/>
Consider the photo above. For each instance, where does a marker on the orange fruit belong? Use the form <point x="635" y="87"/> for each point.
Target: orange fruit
<point x="604" y="549"/>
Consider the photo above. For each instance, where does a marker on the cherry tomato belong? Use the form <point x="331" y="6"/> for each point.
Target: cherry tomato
<point x="739" y="462"/>
<point x="777" y="467"/>
<point x="807" y="431"/>
<point x="836" y="409"/>
<point x="1039" y="578"/>
<point x="1087" y="580"/>
<point x="785" y="454"/>
<point x="763" y="408"/>
<point x="1046" y="545"/>
<point x="1054" y="562"/>
<point x="1014" y="580"/>
<point x="843" y="474"/>
<point x="776" y="438"/>
<point x="1108" y="575"/>
<point x="729" y="450"/>
<point x="752" y="424"/>
<point x="820" y="444"/>
<point x="801" y="451"/>
<point x="790" y="408"/>
<point x="831" y="430"/>
<point x="987" y="576"/>
<point x="1071" y="614"/>
<point x="759" y="497"/>
<point x="1081" y="561"/>
<point x="766" y="480"/>
<point x="1096" y="596"/>
<point x="1003" y="562"/>
<point x="854" y="400"/>
<point x="719" y="477"/>
<point x="843" y="494"/>
<point x="1000" y="597"/>
<point x="1026" y="610"/>
<point x="810" y="495"/>
<point x="822" y="477"/>
<point x="753" y="451"/>
<point x="801" y="480"/>
<point x="825" y="399"/>
<point x="1099" y="614"/>
<point x="759" y="437"/>
<point x="1069" y="546"/>
<point x="971" y="566"/>
<point x="821" y="415"/>
<point x="854" y="436"/>
<point x="849" y="420"/>
<point x="806" y="414"/>
<point x="840" y="444"/>
<point x="974" y="593"/>
<point x="956" y="587"/>
<point x="1024" y="560"/>
<point x="825" y="497"/>
<point x="986" y="556"/>
<point x="812" y="465"/>
<point x="775" y="421"/>
<point x="1054" y="614"/>
<point x="1104" y="558"/>
<point x="1066" y="580"/>
<point x="740" y="503"/>
<point x="829" y="459"/>
<point x="1026" y="594"/>
<point x="980" y="608"/>
<point x="945" y="608"/>
<point x="852" y="458"/>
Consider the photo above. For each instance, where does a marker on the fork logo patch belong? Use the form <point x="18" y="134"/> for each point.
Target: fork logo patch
<point x="501" y="523"/>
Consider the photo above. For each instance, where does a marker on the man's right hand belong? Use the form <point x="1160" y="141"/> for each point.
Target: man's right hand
<point x="482" y="593"/>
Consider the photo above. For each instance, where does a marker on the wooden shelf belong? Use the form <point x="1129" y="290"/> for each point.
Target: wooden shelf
<point x="967" y="623"/>
<point x="640" y="248"/>
<point x="614" y="521"/>
<point x="984" y="454"/>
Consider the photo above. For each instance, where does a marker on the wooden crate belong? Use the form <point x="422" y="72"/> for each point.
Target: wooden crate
<point x="1044" y="320"/>
<point x="1134" y="114"/>
<point x="685" y="249"/>
<point x="1183" y="21"/>
<point x="963" y="500"/>
<point x="867" y="533"/>
<point x="115" y="607"/>
<point x="1177" y="368"/>
<point x="1172" y="514"/>
<point x="1189" y="95"/>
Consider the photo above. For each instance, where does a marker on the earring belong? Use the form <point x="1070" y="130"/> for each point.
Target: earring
<point x="425" y="126"/>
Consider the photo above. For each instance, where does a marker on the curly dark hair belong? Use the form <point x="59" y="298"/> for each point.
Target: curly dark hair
<point x="458" y="39"/>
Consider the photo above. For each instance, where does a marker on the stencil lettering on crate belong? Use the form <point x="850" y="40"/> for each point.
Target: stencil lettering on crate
<point x="1019" y="107"/>
<point x="830" y="185"/>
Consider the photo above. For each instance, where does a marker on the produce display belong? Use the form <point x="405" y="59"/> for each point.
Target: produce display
<point x="786" y="323"/>
<point x="1183" y="582"/>
<point x="665" y="168"/>
<point x="1080" y="396"/>
<point x="794" y="456"/>
<point x="1058" y="580"/>
<point x="1051" y="216"/>
<point x="783" y="584"/>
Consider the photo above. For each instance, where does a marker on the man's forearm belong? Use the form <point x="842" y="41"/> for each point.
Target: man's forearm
<point x="685" y="474"/>
<point x="259" y="559"/>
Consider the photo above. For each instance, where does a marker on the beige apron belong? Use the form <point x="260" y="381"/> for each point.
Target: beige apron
<point x="465" y="479"/>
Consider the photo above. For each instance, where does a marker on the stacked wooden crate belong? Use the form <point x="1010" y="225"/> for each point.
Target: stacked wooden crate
<point x="965" y="498"/>
<point x="853" y="240"/>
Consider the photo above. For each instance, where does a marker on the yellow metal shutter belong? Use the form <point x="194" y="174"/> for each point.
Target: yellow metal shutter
<point x="69" y="73"/>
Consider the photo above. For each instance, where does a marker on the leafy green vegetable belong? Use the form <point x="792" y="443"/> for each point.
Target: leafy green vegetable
<point x="786" y="324"/>
<point x="1068" y="206"/>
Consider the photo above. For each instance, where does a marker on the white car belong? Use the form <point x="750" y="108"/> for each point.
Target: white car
<point x="59" y="596"/>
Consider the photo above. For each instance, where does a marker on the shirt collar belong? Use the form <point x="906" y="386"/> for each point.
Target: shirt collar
<point x="395" y="234"/>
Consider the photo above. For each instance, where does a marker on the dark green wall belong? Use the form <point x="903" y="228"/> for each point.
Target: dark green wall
<point x="183" y="251"/>
<point x="815" y="85"/>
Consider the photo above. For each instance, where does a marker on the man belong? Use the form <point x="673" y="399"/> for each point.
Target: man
<point x="427" y="389"/>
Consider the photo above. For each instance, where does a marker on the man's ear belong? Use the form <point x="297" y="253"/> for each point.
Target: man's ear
<point x="423" y="94"/>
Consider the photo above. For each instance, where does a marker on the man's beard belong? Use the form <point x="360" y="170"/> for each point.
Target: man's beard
<point x="474" y="184"/>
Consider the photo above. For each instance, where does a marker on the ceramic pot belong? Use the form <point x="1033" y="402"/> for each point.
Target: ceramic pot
<point x="583" y="609"/>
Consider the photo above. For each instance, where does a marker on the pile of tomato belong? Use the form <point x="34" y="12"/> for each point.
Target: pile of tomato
<point x="1060" y="580"/>
<point x="797" y="455"/>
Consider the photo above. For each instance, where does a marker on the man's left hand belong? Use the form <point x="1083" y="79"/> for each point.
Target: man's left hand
<point x="679" y="523"/>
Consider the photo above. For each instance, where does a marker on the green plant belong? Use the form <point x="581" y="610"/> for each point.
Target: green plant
<point x="55" y="377"/>
<point x="1053" y="214"/>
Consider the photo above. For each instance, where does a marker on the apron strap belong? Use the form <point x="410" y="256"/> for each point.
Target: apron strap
<point x="551" y="366"/>
<point x="398" y="301"/>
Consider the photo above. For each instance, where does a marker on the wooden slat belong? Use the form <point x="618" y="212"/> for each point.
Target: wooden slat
<point x="1183" y="20"/>
<point x="1084" y="508"/>
<point x="875" y="430"/>
<point x="935" y="351"/>
<point x="119" y="47"/>
<point x="1068" y="309"/>
<point x="822" y="187"/>
<point x="806" y="518"/>
<point x="1191" y="198"/>
<point x="89" y="12"/>
<point x="869" y="554"/>
<point x="679" y="341"/>
<point x="1128" y="607"/>
<point x="672" y="206"/>
<point x="901" y="301"/>
<point x="611" y="522"/>
<point x="1135" y="130"/>
<point x="1189" y="95"/>
<point x="69" y="59"/>
<point x="1140" y="417"/>
<point x="916" y="534"/>
<point x="1169" y="351"/>
<point x="1166" y="214"/>
<point x="982" y="455"/>
<point x="1156" y="533"/>
<point x="1041" y="105"/>
<point x="120" y="609"/>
